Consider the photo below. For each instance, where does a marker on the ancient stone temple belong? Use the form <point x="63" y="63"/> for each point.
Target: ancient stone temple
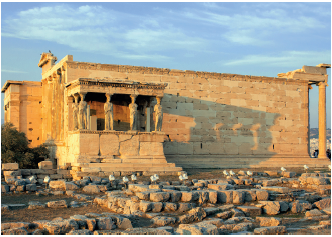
<point x="108" y="118"/>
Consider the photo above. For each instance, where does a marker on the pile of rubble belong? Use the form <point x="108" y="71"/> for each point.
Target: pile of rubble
<point x="259" y="203"/>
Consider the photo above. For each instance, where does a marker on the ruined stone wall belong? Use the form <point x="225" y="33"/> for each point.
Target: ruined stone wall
<point x="211" y="117"/>
<point x="24" y="109"/>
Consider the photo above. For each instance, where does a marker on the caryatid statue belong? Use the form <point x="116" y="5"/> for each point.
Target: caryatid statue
<point x="108" y="107"/>
<point x="75" y="112"/>
<point x="158" y="114"/>
<point x="133" y="113"/>
<point x="83" y="113"/>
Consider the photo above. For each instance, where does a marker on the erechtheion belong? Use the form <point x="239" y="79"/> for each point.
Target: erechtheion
<point x="109" y="118"/>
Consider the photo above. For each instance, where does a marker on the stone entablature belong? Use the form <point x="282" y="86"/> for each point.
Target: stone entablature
<point x="85" y="85"/>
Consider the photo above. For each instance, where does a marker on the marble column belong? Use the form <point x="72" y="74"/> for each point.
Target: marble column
<point x="322" y="119"/>
<point x="133" y="113"/>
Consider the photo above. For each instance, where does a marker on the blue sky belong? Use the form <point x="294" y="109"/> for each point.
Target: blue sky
<point x="261" y="39"/>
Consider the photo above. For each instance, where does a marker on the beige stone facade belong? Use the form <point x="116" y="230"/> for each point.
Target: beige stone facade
<point x="209" y="120"/>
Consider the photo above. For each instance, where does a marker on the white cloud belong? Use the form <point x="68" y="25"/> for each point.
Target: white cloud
<point x="284" y="59"/>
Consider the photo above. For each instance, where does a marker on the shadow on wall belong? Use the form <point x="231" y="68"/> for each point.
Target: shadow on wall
<point x="205" y="134"/>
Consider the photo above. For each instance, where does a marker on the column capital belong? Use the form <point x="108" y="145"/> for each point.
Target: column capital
<point x="133" y="98"/>
<point x="322" y="84"/>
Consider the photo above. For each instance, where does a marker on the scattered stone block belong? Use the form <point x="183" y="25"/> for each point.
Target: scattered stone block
<point x="269" y="221"/>
<point x="225" y="196"/>
<point x="262" y="195"/>
<point x="31" y="187"/>
<point x="145" y="206"/>
<point x="45" y="165"/>
<point x="287" y="174"/>
<point x="163" y="220"/>
<point x="276" y="189"/>
<point x="323" y="204"/>
<point x="273" y="230"/>
<point x="4" y="188"/>
<point x="9" y="166"/>
<point x="91" y="189"/>
<point x="36" y="205"/>
<point x="15" y="231"/>
<point x="270" y="207"/>
<point x="238" y="197"/>
<point x="250" y="210"/>
<point x="156" y="206"/>
<point x="183" y="207"/>
<point x="175" y="196"/>
<point x="220" y="186"/>
<point x="224" y="215"/>
<point x="169" y="206"/>
<point x="314" y="212"/>
<point x="159" y="196"/>
<point x="61" y="227"/>
<point x="299" y="206"/>
<point x="57" y="204"/>
<point x="105" y="223"/>
<point x="79" y="232"/>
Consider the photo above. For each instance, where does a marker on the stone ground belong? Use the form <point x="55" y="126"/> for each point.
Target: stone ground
<point x="20" y="213"/>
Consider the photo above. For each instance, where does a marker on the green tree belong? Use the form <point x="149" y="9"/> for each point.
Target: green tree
<point x="14" y="148"/>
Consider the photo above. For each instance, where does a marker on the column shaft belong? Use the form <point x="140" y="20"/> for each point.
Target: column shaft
<point x="322" y="120"/>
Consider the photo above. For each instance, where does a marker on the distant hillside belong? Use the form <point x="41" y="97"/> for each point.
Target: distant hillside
<point x="314" y="133"/>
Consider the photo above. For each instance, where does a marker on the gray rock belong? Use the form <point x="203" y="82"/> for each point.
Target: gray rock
<point x="79" y="232"/>
<point x="31" y="187"/>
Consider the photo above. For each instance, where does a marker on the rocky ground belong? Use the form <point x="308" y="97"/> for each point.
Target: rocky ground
<point x="208" y="202"/>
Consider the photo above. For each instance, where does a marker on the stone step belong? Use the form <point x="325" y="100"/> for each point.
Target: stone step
<point x="120" y="165"/>
<point x="130" y="169"/>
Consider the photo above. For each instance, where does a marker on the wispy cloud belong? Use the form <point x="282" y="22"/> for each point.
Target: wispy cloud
<point x="11" y="71"/>
<point x="100" y="30"/>
<point x="284" y="59"/>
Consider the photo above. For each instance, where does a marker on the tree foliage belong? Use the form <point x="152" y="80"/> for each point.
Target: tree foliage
<point x="14" y="148"/>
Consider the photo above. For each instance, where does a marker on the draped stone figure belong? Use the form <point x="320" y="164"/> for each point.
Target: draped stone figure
<point x="108" y="107"/>
<point x="133" y="113"/>
<point x="83" y="113"/>
<point x="75" y="115"/>
<point x="158" y="114"/>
